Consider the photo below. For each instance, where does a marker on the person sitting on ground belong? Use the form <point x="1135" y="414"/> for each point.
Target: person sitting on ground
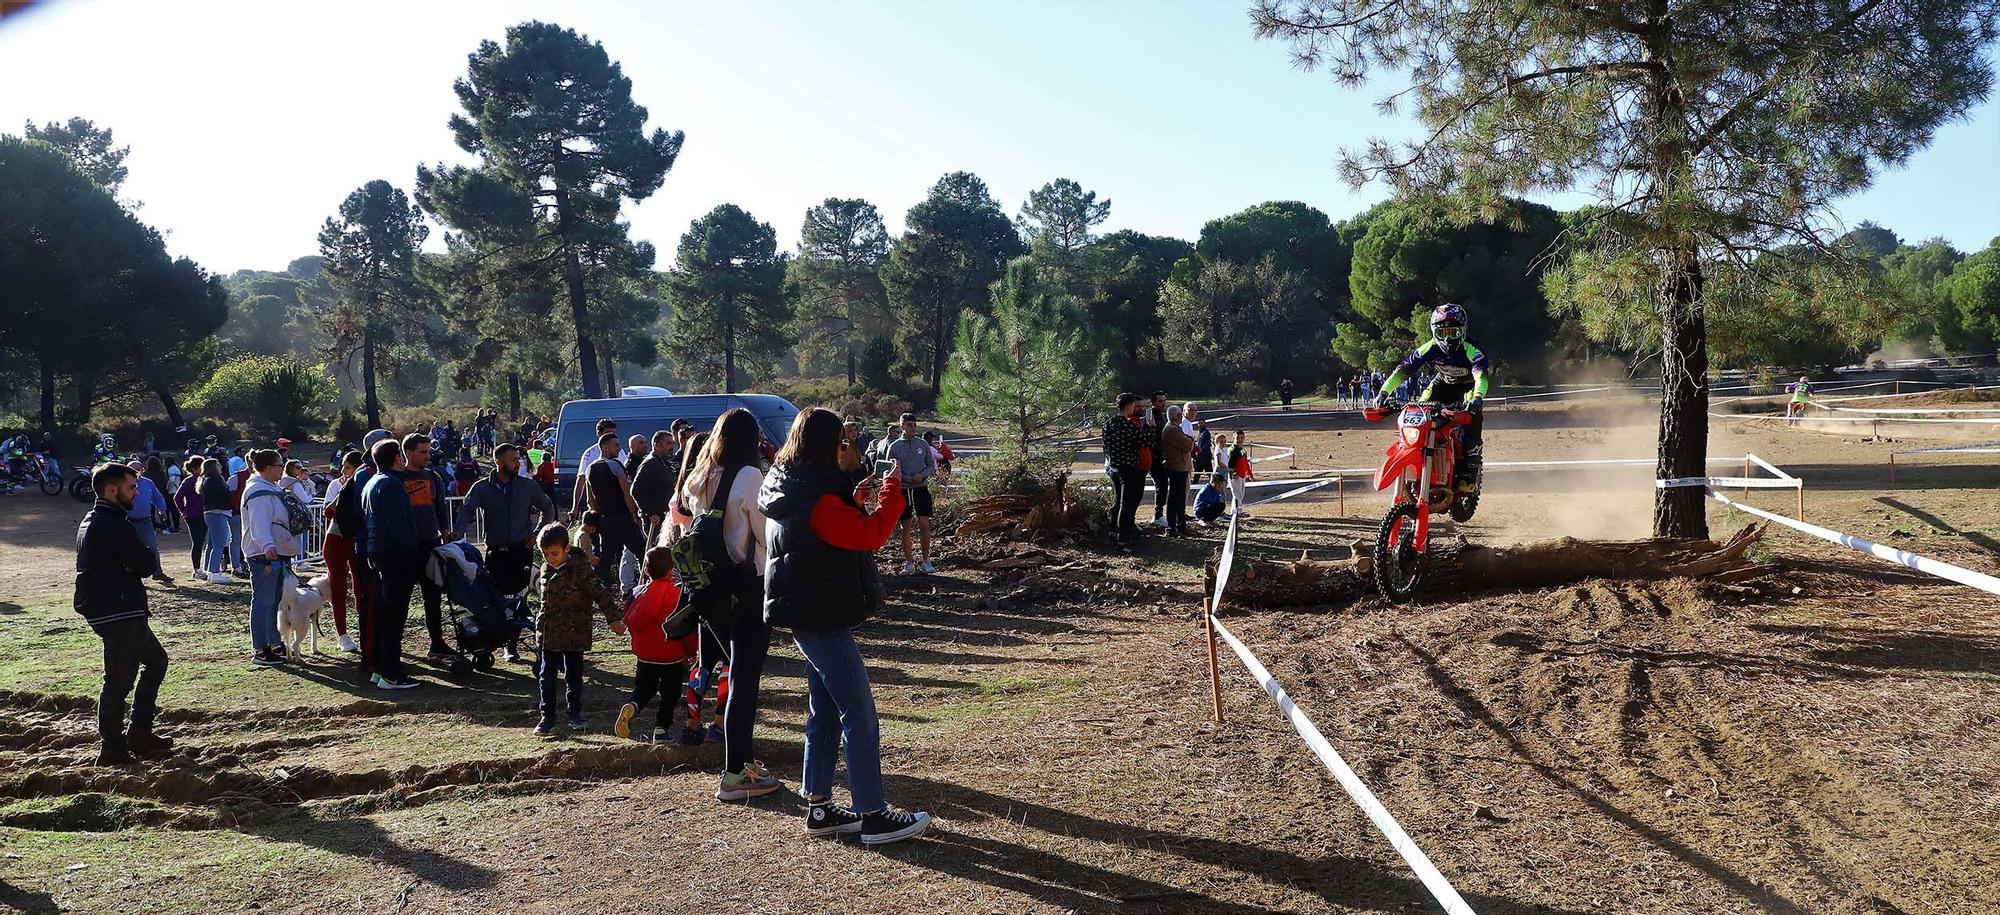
<point x="563" y="627"/>
<point x="1460" y="381"/>
<point x="661" y="665"/>
<point x="821" y="584"/>
<point x="1209" y="501"/>
<point x="110" y="594"/>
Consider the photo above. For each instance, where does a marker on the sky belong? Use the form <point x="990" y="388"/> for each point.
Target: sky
<point x="249" y="122"/>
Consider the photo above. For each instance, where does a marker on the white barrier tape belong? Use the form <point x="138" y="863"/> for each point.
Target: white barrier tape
<point x="1980" y="448"/>
<point x="1905" y="409"/>
<point x="1767" y="465"/>
<point x="1732" y="482"/>
<point x="1924" y="564"/>
<point x="1427" y="873"/>
<point x="1989" y="387"/>
<point x="1853" y="419"/>
<point x="1302" y="490"/>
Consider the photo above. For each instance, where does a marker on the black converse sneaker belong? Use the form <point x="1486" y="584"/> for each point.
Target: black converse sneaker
<point x="826" y="818"/>
<point x="886" y="826"/>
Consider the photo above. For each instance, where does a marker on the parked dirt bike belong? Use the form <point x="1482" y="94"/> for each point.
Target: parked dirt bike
<point x="79" y="485"/>
<point x="1422" y="464"/>
<point x="35" y="473"/>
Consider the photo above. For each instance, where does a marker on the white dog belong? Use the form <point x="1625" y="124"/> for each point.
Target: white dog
<point x="298" y="613"/>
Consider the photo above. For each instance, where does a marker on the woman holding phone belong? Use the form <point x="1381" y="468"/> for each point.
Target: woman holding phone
<point x="820" y="584"/>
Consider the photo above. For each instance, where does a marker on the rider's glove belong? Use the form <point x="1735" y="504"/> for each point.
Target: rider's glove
<point x="1473" y="404"/>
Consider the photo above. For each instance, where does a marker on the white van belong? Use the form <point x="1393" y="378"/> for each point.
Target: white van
<point x="576" y="424"/>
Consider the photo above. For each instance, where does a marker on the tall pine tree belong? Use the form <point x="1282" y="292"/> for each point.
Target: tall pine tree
<point x="957" y="240"/>
<point x="727" y="292"/>
<point x="370" y="251"/>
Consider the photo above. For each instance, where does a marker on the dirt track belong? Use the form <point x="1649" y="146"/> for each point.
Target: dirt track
<point x="1602" y="748"/>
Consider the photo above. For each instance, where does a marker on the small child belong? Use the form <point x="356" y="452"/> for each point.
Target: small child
<point x="662" y="654"/>
<point x="563" y="629"/>
<point x="1208" y="503"/>
<point x="711" y="669"/>
<point x="1239" y="471"/>
<point x="586" y="536"/>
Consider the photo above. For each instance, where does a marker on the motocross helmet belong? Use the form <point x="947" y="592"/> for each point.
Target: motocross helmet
<point x="1448" y="323"/>
<point x="1802" y="380"/>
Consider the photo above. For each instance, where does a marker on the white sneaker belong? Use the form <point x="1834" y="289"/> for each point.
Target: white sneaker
<point x="1160" y="521"/>
<point x="927" y="568"/>
<point x="909" y="568"/>
<point x="200" y="575"/>
<point x="221" y="578"/>
<point x="347" y="643"/>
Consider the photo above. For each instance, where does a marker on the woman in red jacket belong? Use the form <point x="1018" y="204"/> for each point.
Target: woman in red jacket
<point x="820" y="582"/>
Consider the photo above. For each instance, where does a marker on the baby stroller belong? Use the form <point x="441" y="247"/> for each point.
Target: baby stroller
<point x="491" y="618"/>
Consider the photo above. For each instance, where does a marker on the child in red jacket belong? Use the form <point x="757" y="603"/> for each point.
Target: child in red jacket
<point x="662" y="657"/>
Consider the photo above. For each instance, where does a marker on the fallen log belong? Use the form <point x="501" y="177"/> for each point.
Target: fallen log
<point x="1464" y="566"/>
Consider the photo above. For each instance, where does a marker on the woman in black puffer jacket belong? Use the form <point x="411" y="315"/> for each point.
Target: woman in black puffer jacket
<point x="820" y="583"/>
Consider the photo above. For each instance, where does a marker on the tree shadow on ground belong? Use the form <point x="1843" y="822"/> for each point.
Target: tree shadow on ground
<point x="26" y="901"/>
<point x="367" y="840"/>
<point x="1071" y="884"/>
<point x="1976" y="538"/>
<point x="1943" y="652"/>
<point x="1765" y="898"/>
<point x="9" y="608"/>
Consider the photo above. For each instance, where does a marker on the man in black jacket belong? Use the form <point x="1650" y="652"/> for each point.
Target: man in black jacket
<point x="111" y="565"/>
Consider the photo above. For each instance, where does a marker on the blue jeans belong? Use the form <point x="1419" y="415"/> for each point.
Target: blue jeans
<point x="841" y="707"/>
<point x="235" y="540"/>
<point x="150" y="536"/>
<point x="219" y="539"/>
<point x="267" y="582"/>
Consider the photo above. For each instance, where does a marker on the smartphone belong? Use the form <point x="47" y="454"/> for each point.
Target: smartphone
<point x="884" y="468"/>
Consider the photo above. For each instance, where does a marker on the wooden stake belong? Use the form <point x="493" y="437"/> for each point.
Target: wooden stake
<point x="1340" y="486"/>
<point x="1802" y="501"/>
<point x="1746" y="475"/>
<point x="1214" y="671"/>
<point x="1892" y="470"/>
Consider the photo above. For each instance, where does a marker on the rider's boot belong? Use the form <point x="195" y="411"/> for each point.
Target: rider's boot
<point x="1468" y="470"/>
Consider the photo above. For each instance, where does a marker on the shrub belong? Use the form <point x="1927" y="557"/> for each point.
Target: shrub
<point x="997" y="475"/>
<point x="349" y="428"/>
<point x="1251" y="392"/>
<point x="275" y="391"/>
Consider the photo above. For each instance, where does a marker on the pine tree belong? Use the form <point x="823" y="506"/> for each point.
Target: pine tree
<point x="1708" y="133"/>
<point x="837" y="283"/>
<point x="561" y="146"/>
<point x="370" y="250"/>
<point x="958" y="241"/>
<point x="1026" y="368"/>
<point x="727" y="293"/>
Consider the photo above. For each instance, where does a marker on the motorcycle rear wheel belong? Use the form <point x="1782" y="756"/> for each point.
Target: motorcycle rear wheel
<point x="79" y="489"/>
<point x="1399" y="568"/>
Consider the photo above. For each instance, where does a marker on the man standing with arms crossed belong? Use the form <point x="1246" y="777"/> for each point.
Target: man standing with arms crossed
<point x="111" y="566"/>
<point x="515" y="508"/>
<point x="913" y="456"/>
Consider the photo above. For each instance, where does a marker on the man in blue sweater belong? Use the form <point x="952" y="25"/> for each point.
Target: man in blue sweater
<point x="111" y="565"/>
<point x="392" y="549"/>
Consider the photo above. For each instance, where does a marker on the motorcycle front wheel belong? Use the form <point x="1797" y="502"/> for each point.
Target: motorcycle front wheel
<point x="1399" y="567"/>
<point x="79" y="489"/>
<point x="51" y="484"/>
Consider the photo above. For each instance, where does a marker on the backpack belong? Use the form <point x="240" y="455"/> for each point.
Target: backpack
<point x="297" y="519"/>
<point x="709" y="580"/>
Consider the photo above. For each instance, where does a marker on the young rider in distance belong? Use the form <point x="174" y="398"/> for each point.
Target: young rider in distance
<point x="1460" y="379"/>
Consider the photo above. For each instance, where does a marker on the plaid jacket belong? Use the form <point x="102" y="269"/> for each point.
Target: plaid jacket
<point x="1122" y="441"/>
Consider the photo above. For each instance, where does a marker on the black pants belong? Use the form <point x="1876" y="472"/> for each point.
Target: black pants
<point x="749" y="644"/>
<point x="367" y="597"/>
<point x="131" y="654"/>
<point x="714" y="651"/>
<point x="559" y="667"/>
<point x="399" y="576"/>
<point x="1128" y="486"/>
<point x="613" y="539"/>
<point x="1176" y="490"/>
<point x="198" y="532"/>
<point x="1160" y="476"/>
<point x="1455" y="395"/>
<point x="662" y="680"/>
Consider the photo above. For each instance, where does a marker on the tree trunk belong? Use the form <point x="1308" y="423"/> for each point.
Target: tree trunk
<point x="513" y="394"/>
<point x="1470" y="567"/>
<point x="86" y="391"/>
<point x="611" y="388"/>
<point x="937" y="352"/>
<point x="1683" y="511"/>
<point x="174" y="418"/>
<point x="729" y="357"/>
<point x="369" y="403"/>
<point x="48" y="395"/>
<point x="579" y="304"/>
<point x="850" y="360"/>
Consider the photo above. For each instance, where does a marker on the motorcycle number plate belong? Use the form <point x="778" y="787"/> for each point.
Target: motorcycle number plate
<point x="1413" y="416"/>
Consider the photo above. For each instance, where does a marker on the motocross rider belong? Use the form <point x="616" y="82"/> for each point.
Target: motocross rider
<point x="1460" y="381"/>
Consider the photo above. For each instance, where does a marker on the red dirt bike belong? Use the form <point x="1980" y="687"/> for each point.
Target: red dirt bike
<point x="1422" y="464"/>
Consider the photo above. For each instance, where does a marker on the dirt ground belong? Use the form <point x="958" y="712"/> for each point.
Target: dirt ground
<point x="1822" y="739"/>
